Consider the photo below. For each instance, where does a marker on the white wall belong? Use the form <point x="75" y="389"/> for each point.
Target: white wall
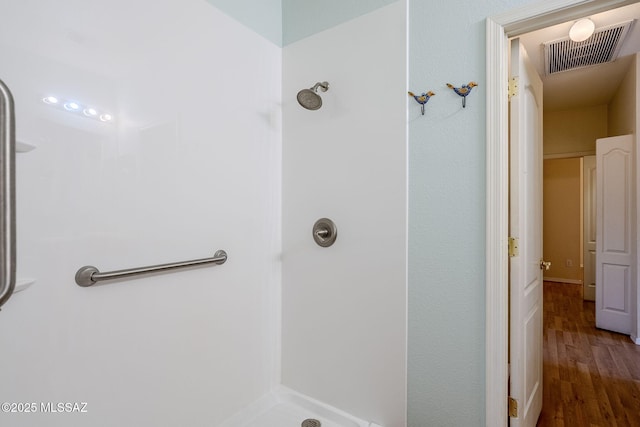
<point x="344" y="307"/>
<point x="191" y="165"/>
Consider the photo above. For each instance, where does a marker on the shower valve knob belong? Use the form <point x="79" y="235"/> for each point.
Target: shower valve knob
<point x="324" y="232"/>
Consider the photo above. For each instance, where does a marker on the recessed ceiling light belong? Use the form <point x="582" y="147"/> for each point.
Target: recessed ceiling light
<point x="106" y="117"/>
<point x="91" y="112"/>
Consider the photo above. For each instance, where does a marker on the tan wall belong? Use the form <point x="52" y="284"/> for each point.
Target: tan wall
<point x="561" y="211"/>
<point x="622" y="108"/>
<point x="574" y="131"/>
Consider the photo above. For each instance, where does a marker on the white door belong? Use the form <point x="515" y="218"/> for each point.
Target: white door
<point x="614" y="232"/>
<point x="525" y="217"/>
<point x="589" y="214"/>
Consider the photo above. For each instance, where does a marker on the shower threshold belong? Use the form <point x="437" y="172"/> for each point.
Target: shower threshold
<point x="287" y="408"/>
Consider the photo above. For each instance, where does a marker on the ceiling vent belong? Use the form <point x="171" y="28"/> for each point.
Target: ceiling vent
<point x="603" y="46"/>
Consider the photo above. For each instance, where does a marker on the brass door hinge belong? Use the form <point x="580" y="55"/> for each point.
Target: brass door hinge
<point x="513" y="408"/>
<point x="513" y="247"/>
<point x="513" y="87"/>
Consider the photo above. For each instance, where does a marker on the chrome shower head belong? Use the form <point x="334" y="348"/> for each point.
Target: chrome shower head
<point x="310" y="99"/>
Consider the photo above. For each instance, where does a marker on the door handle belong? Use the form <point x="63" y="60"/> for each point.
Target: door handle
<point x="545" y="265"/>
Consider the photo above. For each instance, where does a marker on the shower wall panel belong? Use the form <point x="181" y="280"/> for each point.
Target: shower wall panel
<point x="344" y="306"/>
<point x="190" y="163"/>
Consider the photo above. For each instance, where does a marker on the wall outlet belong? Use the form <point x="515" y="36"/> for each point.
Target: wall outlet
<point x="569" y="263"/>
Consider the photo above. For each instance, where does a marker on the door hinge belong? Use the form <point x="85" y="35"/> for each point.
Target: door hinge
<point x="513" y="407"/>
<point x="513" y="87"/>
<point x="513" y="247"/>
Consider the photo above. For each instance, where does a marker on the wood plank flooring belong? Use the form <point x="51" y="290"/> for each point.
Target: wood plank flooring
<point x="591" y="376"/>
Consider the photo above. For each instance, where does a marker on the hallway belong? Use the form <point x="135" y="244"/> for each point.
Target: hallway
<point x="591" y="376"/>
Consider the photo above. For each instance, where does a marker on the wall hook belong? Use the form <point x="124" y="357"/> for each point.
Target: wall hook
<point x="422" y="99"/>
<point x="463" y="91"/>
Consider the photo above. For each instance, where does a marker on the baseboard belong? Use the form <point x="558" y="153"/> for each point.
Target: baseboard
<point x="636" y="340"/>
<point x="560" y="280"/>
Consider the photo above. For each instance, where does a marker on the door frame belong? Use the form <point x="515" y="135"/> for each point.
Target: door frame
<point x="588" y="227"/>
<point x="499" y="28"/>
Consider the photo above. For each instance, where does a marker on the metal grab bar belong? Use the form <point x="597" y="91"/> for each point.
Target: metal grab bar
<point x="7" y="194"/>
<point x="89" y="275"/>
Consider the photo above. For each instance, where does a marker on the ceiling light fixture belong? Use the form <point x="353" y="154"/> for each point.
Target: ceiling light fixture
<point x="76" y="107"/>
<point x="581" y="30"/>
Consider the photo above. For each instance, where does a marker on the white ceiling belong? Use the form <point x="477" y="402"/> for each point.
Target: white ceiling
<point x="587" y="86"/>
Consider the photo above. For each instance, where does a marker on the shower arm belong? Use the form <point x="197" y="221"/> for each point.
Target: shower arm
<point x="324" y="86"/>
<point x="7" y="195"/>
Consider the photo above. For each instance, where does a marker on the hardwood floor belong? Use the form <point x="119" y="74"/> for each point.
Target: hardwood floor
<point x="591" y="376"/>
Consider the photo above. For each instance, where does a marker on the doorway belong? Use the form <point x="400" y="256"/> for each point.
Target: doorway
<point x="563" y="219"/>
<point x="499" y="29"/>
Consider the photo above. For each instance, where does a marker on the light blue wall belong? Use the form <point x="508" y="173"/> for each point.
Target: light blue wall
<point x="262" y="16"/>
<point x="447" y="213"/>
<point x="302" y="18"/>
<point x="286" y="21"/>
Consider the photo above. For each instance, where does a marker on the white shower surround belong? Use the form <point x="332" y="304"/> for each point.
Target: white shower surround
<point x="344" y="310"/>
<point x="193" y="164"/>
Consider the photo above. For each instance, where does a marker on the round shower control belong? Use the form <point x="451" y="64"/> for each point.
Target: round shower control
<point x="325" y="232"/>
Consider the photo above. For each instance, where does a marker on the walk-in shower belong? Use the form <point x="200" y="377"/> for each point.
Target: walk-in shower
<point x="310" y="99"/>
<point x="204" y="150"/>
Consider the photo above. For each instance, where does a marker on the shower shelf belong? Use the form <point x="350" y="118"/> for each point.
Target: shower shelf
<point x="23" y="147"/>
<point x="22" y="284"/>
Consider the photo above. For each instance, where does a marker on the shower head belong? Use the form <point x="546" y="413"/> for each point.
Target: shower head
<point x="310" y="99"/>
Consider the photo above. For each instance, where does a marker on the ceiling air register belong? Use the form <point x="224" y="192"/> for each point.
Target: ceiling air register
<point x="603" y="46"/>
